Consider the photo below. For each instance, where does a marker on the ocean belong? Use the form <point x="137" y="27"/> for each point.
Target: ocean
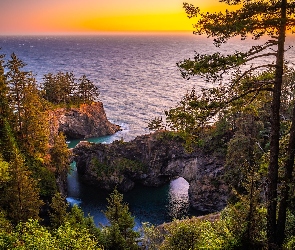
<point x="138" y="80"/>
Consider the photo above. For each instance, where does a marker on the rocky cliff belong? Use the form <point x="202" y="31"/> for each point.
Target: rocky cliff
<point x="89" y="120"/>
<point x="86" y="121"/>
<point x="153" y="160"/>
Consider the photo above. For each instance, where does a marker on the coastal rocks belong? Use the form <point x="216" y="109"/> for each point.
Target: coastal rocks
<point x="207" y="192"/>
<point x="89" y="120"/>
<point x="153" y="160"/>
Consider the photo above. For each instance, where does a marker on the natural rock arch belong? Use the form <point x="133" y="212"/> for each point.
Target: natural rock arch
<point x="153" y="160"/>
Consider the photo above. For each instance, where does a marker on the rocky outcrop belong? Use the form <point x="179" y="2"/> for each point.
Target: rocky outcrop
<point x="89" y="120"/>
<point x="153" y="160"/>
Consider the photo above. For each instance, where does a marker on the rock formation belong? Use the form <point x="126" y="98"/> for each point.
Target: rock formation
<point x="89" y="120"/>
<point x="153" y="160"/>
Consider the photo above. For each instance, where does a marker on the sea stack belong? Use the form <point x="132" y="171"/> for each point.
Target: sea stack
<point x="85" y="121"/>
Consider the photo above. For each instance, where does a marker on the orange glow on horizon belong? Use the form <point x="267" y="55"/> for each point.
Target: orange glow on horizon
<point x="90" y="16"/>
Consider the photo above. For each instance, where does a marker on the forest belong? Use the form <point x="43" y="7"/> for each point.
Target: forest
<point x="247" y="114"/>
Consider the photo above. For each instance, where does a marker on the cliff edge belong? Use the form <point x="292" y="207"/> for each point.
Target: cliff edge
<point x="89" y="120"/>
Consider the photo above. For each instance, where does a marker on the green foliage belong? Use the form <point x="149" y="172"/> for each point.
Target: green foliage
<point x="77" y="220"/>
<point x="60" y="155"/>
<point x="58" y="211"/>
<point x="69" y="237"/>
<point x="290" y="229"/>
<point x="58" y="88"/>
<point x="118" y="166"/>
<point x="197" y="234"/>
<point x="87" y="91"/>
<point x="101" y="169"/>
<point x="4" y="172"/>
<point x="120" y="234"/>
<point x="31" y="235"/>
<point x="225" y="231"/>
<point x="45" y="176"/>
<point x="20" y="197"/>
<point x="63" y="89"/>
<point x="152" y="237"/>
<point x="184" y="236"/>
<point x="156" y="124"/>
<point x="290" y="243"/>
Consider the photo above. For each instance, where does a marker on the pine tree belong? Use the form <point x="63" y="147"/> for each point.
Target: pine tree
<point x="6" y="116"/>
<point x="16" y="79"/>
<point x="20" y="196"/>
<point x="58" y="212"/>
<point x="256" y="18"/>
<point x="59" y="89"/>
<point x="87" y="91"/>
<point x="60" y="155"/>
<point x="120" y="234"/>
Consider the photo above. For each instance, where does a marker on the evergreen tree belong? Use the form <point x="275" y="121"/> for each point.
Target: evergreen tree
<point x="87" y="91"/>
<point x="120" y="234"/>
<point x="16" y="79"/>
<point x="31" y="126"/>
<point x="60" y="155"/>
<point x="35" y="131"/>
<point x="58" y="211"/>
<point x="20" y="196"/>
<point x="59" y="88"/>
<point x="6" y="116"/>
<point x="256" y="18"/>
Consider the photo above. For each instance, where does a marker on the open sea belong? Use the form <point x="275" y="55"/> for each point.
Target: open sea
<point x="138" y="80"/>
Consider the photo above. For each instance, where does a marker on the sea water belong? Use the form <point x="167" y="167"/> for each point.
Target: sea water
<point x="138" y="80"/>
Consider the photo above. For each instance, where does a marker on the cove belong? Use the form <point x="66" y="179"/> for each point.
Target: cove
<point x="155" y="205"/>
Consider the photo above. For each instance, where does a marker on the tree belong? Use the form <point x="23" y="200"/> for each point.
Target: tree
<point x="256" y="18"/>
<point x="60" y="154"/>
<point x="6" y="116"/>
<point x="31" y="125"/>
<point x="20" y="196"/>
<point x="58" y="210"/>
<point x="59" y="88"/>
<point x="87" y="91"/>
<point x="16" y="79"/>
<point x="120" y="233"/>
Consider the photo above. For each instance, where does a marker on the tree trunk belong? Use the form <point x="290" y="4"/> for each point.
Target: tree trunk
<point x="287" y="179"/>
<point x="275" y="135"/>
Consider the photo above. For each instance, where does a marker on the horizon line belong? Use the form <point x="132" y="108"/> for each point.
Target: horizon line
<point x="96" y="32"/>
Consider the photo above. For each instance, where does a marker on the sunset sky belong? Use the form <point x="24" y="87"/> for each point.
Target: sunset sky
<point x="91" y="16"/>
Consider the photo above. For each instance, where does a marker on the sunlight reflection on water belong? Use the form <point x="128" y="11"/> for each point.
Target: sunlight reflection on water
<point x="178" y="206"/>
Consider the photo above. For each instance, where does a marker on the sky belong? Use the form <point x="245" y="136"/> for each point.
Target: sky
<point x="90" y="16"/>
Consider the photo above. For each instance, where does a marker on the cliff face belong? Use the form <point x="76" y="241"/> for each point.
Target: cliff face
<point x="89" y="120"/>
<point x="153" y="160"/>
<point x="83" y="122"/>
